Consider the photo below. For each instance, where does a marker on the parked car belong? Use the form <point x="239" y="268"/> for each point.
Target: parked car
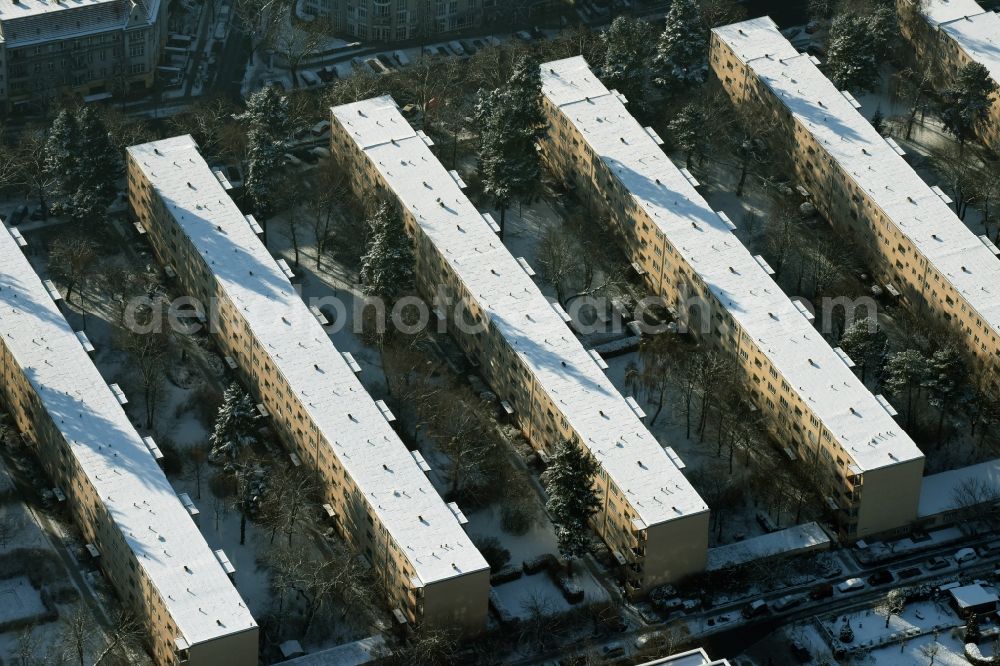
<point x="755" y="609"/>
<point x="908" y="572"/>
<point x="821" y="591"/>
<point x="652" y="638"/>
<point x="965" y="555"/>
<point x="669" y="605"/>
<point x="320" y="128"/>
<point x="401" y="58"/>
<point x="936" y="563"/>
<point x="851" y="585"/>
<point x="309" y="77"/>
<point x="801" y="652"/>
<point x="456" y="48"/>
<point x="786" y="602"/>
<point x="612" y="650"/>
<point x="523" y="35"/>
<point x="880" y="577"/>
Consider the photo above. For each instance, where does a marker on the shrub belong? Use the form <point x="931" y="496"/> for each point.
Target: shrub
<point x="496" y="555"/>
<point x="516" y="519"/>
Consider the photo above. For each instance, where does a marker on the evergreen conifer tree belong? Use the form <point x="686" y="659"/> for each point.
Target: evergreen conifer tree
<point x="235" y="425"/>
<point x="569" y="481"/>
<point x="387" y="265"/>
<point x="682" y="51"/>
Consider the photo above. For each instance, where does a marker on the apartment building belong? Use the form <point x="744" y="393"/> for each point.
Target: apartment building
<point x="861" y="183"/>
<point x="949" y="34"/>
<point x="108" y="479"/>
<point x="687" y="253"/>
<point x="87" y="47"/>
<point x="377" y="491"/>
<point x="400" y="20"/>
<point x="652" y="519"/>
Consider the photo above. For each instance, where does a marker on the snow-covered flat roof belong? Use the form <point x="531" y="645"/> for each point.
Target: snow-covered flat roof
<point x="938" y="491"/>
<point x="974" y="29"/>
<point x="166" y="542"/>
<point x="25" y="22"/>
<point x="789" y="541"/>
<point x="619" y="441"/>
<point x="794" y="347"/>
<point x="696" y="657"/>
<point x="408" y="506"/>
<point x="868" y="159"/>
<point x="971" y="596"/>
<point x="944" y="11"/>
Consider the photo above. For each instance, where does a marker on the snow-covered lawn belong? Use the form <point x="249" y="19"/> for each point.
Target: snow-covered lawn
<point x="870" y="630"/>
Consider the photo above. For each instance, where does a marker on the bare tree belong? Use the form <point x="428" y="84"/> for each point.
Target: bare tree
<point x="28" y="648"/>
<point x="426" y="647"/>
<point x="206" y="121"/>
<point x="198" y="456"/>
<point x="915" y="89"/>
<point x="77" y="634"/>
<point x="123" y="639"/>
<point x="558" y="260"/>
<point x="122" y="284"/>
<point x="322" y="208"/>
<point x="974" y="500"/>
<point x="657" y="370"/>
<point x="292" y="489"/>
<point x="149" y="353"/>
<point x="72" y="260"/>
<point x="931" y="650"/>
<point x="959" y="172"/>
<point x="296" y="42"/>
<point x="33" y="176"/>
<point x="750" y="138"/>
<point x="780" y="233"/>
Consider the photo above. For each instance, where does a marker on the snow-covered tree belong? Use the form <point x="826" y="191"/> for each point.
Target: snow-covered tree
<point x="509" y="120"/>
<point x="682" y="52"/>
<point x="946" y="375"/>
<point x="628" y="49"/>
<point x="387" y="265"/>
<point x="858" y="44"/>
<point x="689" y="133"/>
<point x="267" y="120"/>
<point x="878" y="121"/>
<point x="866" y="344"/>
<point x="235" y="425"/>
<point x="905" y="374"/>
<point x="83" y="163"/>
<point x="891" y="604"/>
<point x="569" y="481"/>
<point x="966" y="103"/>
<point x="847" y="633"/>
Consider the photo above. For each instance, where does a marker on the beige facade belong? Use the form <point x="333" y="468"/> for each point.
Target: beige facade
<point x="688" y="255"/>
<point x="945" y="36"/>
<point x="859" y="182"/>
<point x="384" y="505"/>
<point x="147" y="543"/>
<point x="89" y="48"/>
<point x="651" y="517"/>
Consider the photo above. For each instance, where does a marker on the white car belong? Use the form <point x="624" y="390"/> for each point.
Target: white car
<point x="965" y="555"/>
<point x="851" y="585"/>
